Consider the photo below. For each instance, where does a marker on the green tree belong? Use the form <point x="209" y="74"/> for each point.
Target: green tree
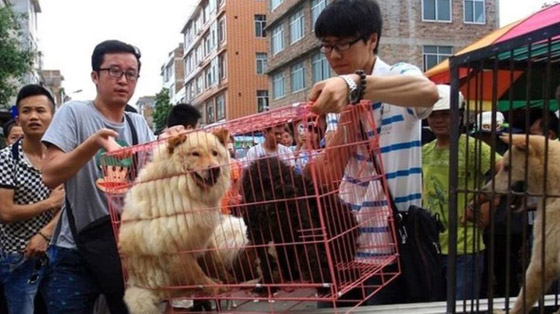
<point x="162" y="107"/>
<point x="16" y="60"/>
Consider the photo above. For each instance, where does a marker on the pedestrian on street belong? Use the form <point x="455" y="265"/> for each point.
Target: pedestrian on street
<point x="84" y="258"/>
<point x="29" y="209"/>
<point x="400" y="96"/>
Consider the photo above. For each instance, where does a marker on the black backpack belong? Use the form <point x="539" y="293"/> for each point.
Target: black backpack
<point x="418" y="235"/>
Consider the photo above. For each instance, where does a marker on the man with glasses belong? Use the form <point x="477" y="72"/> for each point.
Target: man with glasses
<point x="350" y="31"/>
<point x="84" y="261"/>
<point x="27" y="206"/>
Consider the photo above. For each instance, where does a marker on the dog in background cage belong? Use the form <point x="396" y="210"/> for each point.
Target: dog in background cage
<point x="533" y="155"/>
<point x="169" y="217"/>
<point x="280" y="206"/>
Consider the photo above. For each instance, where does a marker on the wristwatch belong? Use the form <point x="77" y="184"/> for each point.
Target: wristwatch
<point x="353" y="90"/>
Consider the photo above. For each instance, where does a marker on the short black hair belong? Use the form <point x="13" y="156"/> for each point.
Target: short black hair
<point x="112" y="46"/>
<point x="347" y="18"/>
<point x="34" y="90"/>
<point x="183" y="114"/>
<point x="7" y="127"/>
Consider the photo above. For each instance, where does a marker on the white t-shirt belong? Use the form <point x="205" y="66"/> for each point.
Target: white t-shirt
<point x="258" y="152"/>
<point x="401" y="151"/>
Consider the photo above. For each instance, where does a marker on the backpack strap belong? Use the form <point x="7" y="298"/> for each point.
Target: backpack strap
<point x="15" y="151"/>
<point x="132" y="129"/>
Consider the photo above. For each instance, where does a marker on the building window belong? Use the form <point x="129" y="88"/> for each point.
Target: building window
<point x="262" y="100"/>
<point x="317" y="6"/>
<point x="222" y="66"/>
<point x="296" y="27"/>
<point x="199" y="84"/>
<point x="222" y="30"/>
<point x="260" y="24"/>
<point x="220" y="107"/>
<point x="297" y="77"/>
<point x="436" y="10"/>
<point x="435" y="54"/>
<point x="475" y="12"/>
<point x="320" y="67"/>
<point x="209" y="112"/>
<point x="278" y="85"/>
<point x="275" y="3"/>
<point x="208" y="75"/>
<point x="261" y="62"/>
<point x="277" y="39"/>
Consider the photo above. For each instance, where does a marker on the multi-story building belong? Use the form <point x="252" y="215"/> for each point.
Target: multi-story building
<point x="421" y="32"/>
<point x="173" y="75"/>
<point x="52" y="80"/>
<point x="27" y="13"/>
<point x="226" y="59"/>
<point x="145" y="105"/>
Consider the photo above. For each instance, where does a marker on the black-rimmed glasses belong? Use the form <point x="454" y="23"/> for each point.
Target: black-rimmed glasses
<point x="340" y="47"/>
<point x="118" y="73"/>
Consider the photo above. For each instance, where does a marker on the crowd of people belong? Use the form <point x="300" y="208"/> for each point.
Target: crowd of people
<point x="68" y="258"/>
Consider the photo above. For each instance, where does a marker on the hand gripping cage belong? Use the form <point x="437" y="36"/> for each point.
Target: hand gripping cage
<point x="219" y="215"/>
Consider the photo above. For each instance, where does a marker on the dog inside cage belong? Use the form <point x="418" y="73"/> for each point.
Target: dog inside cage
<point x="198" y="222"/>
<point x="504" y="173"/>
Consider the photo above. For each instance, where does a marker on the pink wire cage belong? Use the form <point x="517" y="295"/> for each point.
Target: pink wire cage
<point x="268" y="232"/>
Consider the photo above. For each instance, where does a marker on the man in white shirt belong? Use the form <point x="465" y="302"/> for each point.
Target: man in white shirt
<point x="271" y="147"/>
<point x="400" y="97"/>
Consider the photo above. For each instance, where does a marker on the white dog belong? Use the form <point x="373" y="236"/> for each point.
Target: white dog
<point x="169" y="217"/>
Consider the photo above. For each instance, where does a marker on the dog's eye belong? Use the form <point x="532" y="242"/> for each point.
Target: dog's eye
<point x="215" y="153"/>
<point x="195" y="154"/>
<point x="506" y="168"/>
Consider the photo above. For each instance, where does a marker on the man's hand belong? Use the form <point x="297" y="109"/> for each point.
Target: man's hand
<point x="172" y="131"/>
<point x="37" y="246"/>
<point x="482" y="217"/>
<point x="106" y="138"/>
<point x="329" y="96"/>
<point x="57" y="197"/>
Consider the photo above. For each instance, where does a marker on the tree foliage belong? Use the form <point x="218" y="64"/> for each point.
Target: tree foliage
<point x="15" y="59"/>
<point x="162" y="107"/>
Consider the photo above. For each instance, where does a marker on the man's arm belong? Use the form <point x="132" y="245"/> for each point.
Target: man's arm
<point x="331" y="95"/>
<point x="59" y="166"/>
<point x="10" y="212"/>
<point x="39" y="243"/>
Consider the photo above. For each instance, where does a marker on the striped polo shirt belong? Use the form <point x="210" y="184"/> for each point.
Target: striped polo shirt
<point x="399" y="130"/>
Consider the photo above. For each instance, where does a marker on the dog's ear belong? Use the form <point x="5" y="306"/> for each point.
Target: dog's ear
<point x="175" y="141"/>
<point x="517" y="140"/>
<point x="222" y="135"/>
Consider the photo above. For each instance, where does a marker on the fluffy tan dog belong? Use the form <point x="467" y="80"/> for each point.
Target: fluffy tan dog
<point x="169" y="217"/>
<point x="534" y="154"/>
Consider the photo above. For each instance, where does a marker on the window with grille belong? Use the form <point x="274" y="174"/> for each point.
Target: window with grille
<point x="278" y="85"/>
<point x="262" y="100"/>
<point x="475" y="11"/>
<point x="296" y="26"/>
<point x="320" y="67"/>
<point x="433" y="55"/>
<point x="277" y="39"/>
<point x="260" y="25"/>
<point x="297" y="77"/>
<point x="261" y="62"/>
<point x="436" y="10"/>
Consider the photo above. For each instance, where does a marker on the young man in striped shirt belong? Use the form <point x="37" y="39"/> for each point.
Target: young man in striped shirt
<point x="400" y="97"/>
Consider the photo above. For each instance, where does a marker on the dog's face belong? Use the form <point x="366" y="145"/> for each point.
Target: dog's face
<point x="203" y="157"/>
<point x="524" y="155"/>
